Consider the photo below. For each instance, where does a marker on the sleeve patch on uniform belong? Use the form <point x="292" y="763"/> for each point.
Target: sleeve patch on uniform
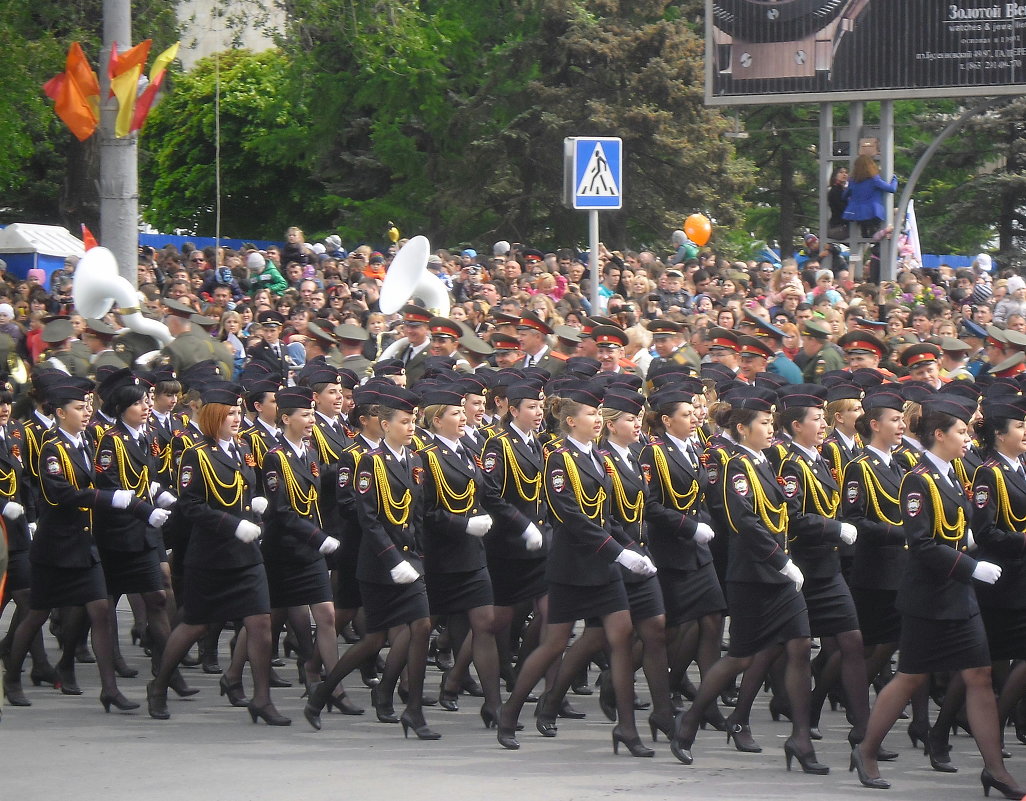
<point x="344" y="474"/>
<point x="490" y="462"/>
<point x="714" y="472"/>
<point x="271" y="480"/>
<point x="186" y="478"/>
<point x="790" y="486"/>
<point x="53" y="467"/>
<point x="739" y="483"/>
<point x="104" y="459"/>
<point x="363" y="482"/>
<point x="914" y="503"/>
<point x="558" y="480"/>
<point x="981" y="496"/>
<point x="851" y="491"/>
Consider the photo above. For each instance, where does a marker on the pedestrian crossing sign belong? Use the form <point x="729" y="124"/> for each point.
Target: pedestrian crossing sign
<point x="593" y="169"/>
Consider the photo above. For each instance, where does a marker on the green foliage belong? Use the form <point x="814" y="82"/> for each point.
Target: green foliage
<point x="263" y="136"/>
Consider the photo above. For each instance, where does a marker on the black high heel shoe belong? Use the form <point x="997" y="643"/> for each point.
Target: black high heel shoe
<point x="66" y="677"/>
<point x="383" y="708"/>
<point x="447" y="699"/>
<point x="656" y="725"/>
<point x="917" y="733"/>
<point x="268" y="714"/>
<point x="44" y="674"/>
<point x="507" y="737"/>
<point x="806" y="760"/>
<point x="277" y="681"/>
<point x="312" y="710"/>
<point x="235" y="692"/>
<point x="12" y="688"/>
<point x="181" y="689"/>
<point x="421" y="729"/>
<point x="117" y="700"/>
<point x="156" y="703"/>
<point x="873" y="783"/>
<point x="937" y="749"/>
<point x="544" y="722"/>
<point x="778" y="709"/>
<point x="714" y="718"/>
<point x="634" y="745"/>
<point x="489" y="717"/>
<point x="679" y="746"/>
<point x="741" y="736"/>
<point x="987" y="780"/>
<point x="343" y="704"/>
<point x="882" y="754"/>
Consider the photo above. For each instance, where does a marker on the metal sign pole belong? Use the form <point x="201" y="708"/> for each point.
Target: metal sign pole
<point x="593" y="258"/>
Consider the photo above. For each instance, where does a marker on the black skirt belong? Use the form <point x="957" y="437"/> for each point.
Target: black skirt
<point x="1006" y="632"/>
<point x="346" y="587"/>
<point x="879" y="617"/>
<point x="132" y="572"/>
<point x="53" y="587"/>
<point x="19" y="572"/>
<point x="762" y="615"/>
<point x="449" y="593"/>
<point x="645" y="598"/>
<point x="297" y="585"/>
<point x="691" y="594"/>
<point x="568" y="602"/>
<point x="928" y="646"/>
<point x="388" y="605"/>
<point x="831" y="608"/>
<point x="517" y="580"/>
<point x="215" y="596"/>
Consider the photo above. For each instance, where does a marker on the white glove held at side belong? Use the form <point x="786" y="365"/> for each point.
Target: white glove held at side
<point x="478" y="525"/>
<point x="404" y="573"/>
<point x="166" y="500"/>
<point x="330" y="545"/>
<point x="704" y="533"/>
<point x="987" y="572"/>
<point x="158" y="517"/>
<point x="259" y="504"/>
<point x="246" y="531"/>
<point x="792" y="572"/>
<point x="533" y="538"/>
<point x="849" y="533"/>
<point x="13" y="510"/>
<point x="121" y="499"/>
<point x="970" y="540"/>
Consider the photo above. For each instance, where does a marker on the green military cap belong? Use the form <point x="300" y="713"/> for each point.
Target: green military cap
<point x="318" y="333"/>
<point x="475" y="344"/>
<point x="816" y="330"/>
<point x="100" y="328"/>
<point x="952" y="345"/>
<point x="177" y="309"/>
<point x="351" y="332"/>
<point x="58" y="330"/>
<point x="567" y="333"/>
<point x="203" y="320"/>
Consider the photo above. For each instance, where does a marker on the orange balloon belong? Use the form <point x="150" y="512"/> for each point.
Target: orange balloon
<point x="698" y="228"/>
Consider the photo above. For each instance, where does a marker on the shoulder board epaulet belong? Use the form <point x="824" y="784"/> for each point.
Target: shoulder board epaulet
<point x="991" y="462"/>
<point x="560" y="449"/>
<point x="350" y="448"/>
<point x="428" y="447"/>
<point x="862" y="457"/>
<point x="656" y="441"/>
<point x="921" y="469"/>
<point x="555" y="354"/>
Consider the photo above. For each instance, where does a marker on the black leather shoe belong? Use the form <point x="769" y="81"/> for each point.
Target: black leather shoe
<point x="448" y="699"/>
<point x="69" y="686"/>
<point x="279" y="682"/>
<point x="156" y="703"/>
<point x="235" y="692"/>
<point x="268" y="714"/>
<point x="568" y="712"/>
<point x="874" y="783"/>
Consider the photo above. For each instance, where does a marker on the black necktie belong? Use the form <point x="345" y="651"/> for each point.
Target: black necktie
<point x="233" y="452"/>
<point x="460" y="453"/>
<point x="951" y="477"/>
<point x="277" y="350"/>
<point x="896" y="468"/>
<point x="84" y="455"/>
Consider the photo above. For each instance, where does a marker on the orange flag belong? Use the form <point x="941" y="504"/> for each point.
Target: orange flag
<point x="76" y="94"/>
<point x="87" y="238"/>
<point x="124" y="70"/>
<point x="157" y="73"/>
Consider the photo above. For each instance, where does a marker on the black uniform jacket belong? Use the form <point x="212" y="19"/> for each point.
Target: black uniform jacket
<point x="938" y="574"/>
<point x="514" y="495"/>
<point x="390" y="508"/>
<point x="122" y="462"/>
<point x="67" y="498"/>
<point x="671" y="528"/>
<point x="813" y="534"/>
<point x="748" y="489"/>
<point x="578" y="489"/>
<point x="292" y="522"/>
<point x="216" y="494"/>
<point x="448" y="548"/>
<point x="870" y="502"/>
<point x="628" y="514"/>
<point x="998" y="521"/>
<point x="14" y="488"/>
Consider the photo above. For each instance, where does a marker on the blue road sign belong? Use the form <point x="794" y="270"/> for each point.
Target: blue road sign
<point x="597" y="174"/>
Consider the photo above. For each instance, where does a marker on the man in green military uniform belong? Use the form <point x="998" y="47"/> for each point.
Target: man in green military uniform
<point x="98" y="336"/>
<point x="57" y="333"/>
<point x="192" y="345"/>
<point x="533" y="334"/>
<point x="350" y="346"/>
<point x="823" y="355"/>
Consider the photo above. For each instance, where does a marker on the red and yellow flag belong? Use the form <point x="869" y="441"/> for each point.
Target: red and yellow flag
<point x="157" y="73"/>
<point x="124" y="70"/>
<point x="87" y="238"/>
<point x="76" y="94"/>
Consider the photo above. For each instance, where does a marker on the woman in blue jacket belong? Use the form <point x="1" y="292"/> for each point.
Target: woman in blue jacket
<point x="865" y="195"/>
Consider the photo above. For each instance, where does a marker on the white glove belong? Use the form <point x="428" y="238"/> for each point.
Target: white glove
<point x="970" y="540"/>
<point x="636" y="563"/>
<point x="122" y="498"/>
<point x="533" y="538"/>
<point x="155" y="489"/>
<point x="13" y="510"/>
<point x="158" y="517"/>
<point x="792" y="572"/>
<point x="259" y="504"/>
<point x="987" y="572"/>
<point x="166" y="500"/>
<point x="330" y="545"/>
<point x="479" y="525"/>
<point x="247" y="532"/>
<point x="32" y="530"/>
<point x="404" y="573"/>
<point x="704" y="533"/>
<point x="849" y="533"/>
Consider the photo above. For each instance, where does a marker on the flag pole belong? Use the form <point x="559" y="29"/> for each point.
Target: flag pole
<point x="119" y="159"/>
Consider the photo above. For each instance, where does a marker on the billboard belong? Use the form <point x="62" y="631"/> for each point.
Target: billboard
<point x="787" y="51"/>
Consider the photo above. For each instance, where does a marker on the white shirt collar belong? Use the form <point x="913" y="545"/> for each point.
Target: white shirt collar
<point x="682" y="444"/>
<point x="884" y="457"/>
<point x="299" y="450"/>
<point x="135" y="432"/>
<point x="75" y="440"/>
<point x="1015" y="464"/>
<point x="374" y="443"/>
<point x="418" y="348"/>
<point x="46" y="421"/>
<point x="848" y="443"/>
<point x="161" y="417"/>
<point x="272" y="430"/>
<point x="400" y="454"/>
<point x="524" y="436"/>
<point x="812" y="453"/>
<point x="914" y="443"/>
<point x="625" y="453"/>
<point x="329" y="420"/>
<point x="452" y="444"/>
<point x="942" y="466"/>
<point x="584" y="448"/>
<point x="225" y="445"/>
<point x="758" y="458"/>
<point x="535" y="357"/>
